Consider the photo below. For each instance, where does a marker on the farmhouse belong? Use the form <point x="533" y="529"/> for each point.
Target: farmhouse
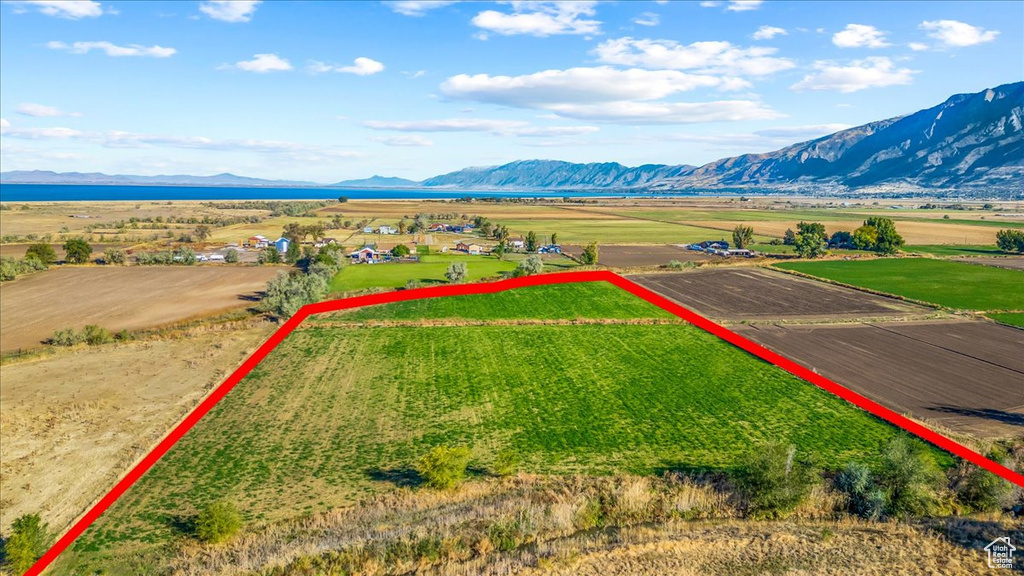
<point x="470" y="248"/>
<point x="366" y="255"/>
<point x="437" y="227"/>
<point x="258" y="241"/>
<point x="517" y="244"/>
<point x="324" y="242"/>
<point x="387" y="230"/>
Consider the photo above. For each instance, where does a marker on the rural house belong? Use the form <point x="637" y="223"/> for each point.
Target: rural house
<point x="387" y="230"/>
<point x="437" y="227"/>
<point x="517" y="244"/>
<point x="259" y="241"/>
<point x="365" y="255"/>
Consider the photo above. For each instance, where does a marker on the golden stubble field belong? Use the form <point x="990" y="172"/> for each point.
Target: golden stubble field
<point x="121" y="297"/>
<point x="74" y="422"/>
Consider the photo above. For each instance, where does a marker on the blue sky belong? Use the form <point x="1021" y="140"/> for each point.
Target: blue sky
<point x="328" y="91"/>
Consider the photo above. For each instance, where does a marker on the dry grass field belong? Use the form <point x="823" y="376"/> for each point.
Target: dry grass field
<point x="73" y="422"/>
<point x="128" y="297"/>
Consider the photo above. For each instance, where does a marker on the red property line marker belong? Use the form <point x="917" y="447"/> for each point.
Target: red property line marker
<point x="489" y="288"/>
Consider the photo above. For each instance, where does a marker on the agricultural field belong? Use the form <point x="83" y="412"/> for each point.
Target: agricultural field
<point x="99" y="409"/>
<point x="1011" y="262"/>
<point x="1011" y="318"/>
<point x="122" y="297"/>
<point x="585" y="229"/>
<point x="954" y="250"/>
<point x="918" y="367"/>
<point x="617" y="256"/>
<point x="759" y="294"/>
<point x="946" y="283"/>
<point x="569" y="399"/>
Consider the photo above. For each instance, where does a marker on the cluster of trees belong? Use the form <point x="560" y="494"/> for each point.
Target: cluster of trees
<point x="91" y="334"/>
<point x="182" y="255"/>
<point x="275" y="207"/>
<point x="876" y="234"/>
<point x="906" y="481"/>
<point x="291" y="291"/>
<point x="41" y="256"/>
<point x="1010" y="240"/>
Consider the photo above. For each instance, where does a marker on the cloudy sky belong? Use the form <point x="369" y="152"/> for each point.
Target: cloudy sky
<point x="328" y="91"/>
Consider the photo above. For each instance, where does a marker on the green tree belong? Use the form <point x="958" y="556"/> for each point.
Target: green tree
<point x="293" y="253"/>
<point x="789" y="238"/>
<point x="231" y="256"/>
<point x="841" y="239"/>
<point x="590" y="254"/>
<point x="403" y="226"/>
<point x="742" y="236"/>
<point x="269" y="255"/>
<point x="810" y="239"/>
<point x="980" y="490"/>
<point x="554" y="237"/>
<point x="443" y="467"/>
<point x="863" y="497"/>
<point x="77" y="250"/>
<point x="29" y="540"/>
<point x="1010" y="240"/>
<point x="499" y="250"/>
<point x="202" y="232"/>
<point x="218" y="522"/>
<point x="185" y="255"/>
<point x="42" y="252"/>
<point x="530" y="265"/>
<point x="889" y="241"/>
<point x="865" y="238"/>
<point x="456" y="272"/>
<point x="909" y="476"/>
<point x="342" y="199"/>
<point x="776" y="480"/>
<point x="400" y="251"/>
<point x="94" y="335"/>
<point x="531" y="241"/>
<point x="114" y="256"/>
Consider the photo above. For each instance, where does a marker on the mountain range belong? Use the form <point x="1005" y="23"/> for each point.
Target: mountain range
<point x="968" y="141"/>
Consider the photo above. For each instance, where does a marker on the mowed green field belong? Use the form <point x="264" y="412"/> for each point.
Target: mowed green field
<point x="334" y="414"/>
<point x="429" y="270"/>
<point x="950" y="284"/>
<point x="955" y="250"/>
<point x="1011" y="318"/>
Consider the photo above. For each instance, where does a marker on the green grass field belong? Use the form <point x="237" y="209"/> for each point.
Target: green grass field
<point x="943" y="282"/>
<point x="955" y="250"/>
<point x="334" y="414"/>
<point x="1011" y="318"/>
<point x="429" y="270"/>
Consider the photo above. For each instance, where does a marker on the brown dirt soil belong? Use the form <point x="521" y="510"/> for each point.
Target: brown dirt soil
<point x="650" y="255"/>
<point x="750" y="293"/>
<point x="72" y="423"/>
<point x="964" y="375"/>
<point x="128" y="297"/>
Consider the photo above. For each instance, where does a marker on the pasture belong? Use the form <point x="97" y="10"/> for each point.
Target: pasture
<point x="946" y="283"/>
<point x="334" y="415"/>
<point x="121" y="297"/>
<point x="430" y="270"/>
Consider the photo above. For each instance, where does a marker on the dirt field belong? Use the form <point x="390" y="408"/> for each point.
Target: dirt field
<point x="116" y="298"/>
<point x="964" y="375"/>
<point x="624" y="256"/>
<point x="1011" y="262"/>
<point x="73" y="422"/>
<point x="748" y="293"/>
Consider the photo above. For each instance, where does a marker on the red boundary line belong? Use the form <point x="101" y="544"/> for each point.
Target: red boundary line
<point x="490" y="288"/>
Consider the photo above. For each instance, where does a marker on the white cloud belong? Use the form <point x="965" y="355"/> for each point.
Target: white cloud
<point x="704" y="57"/>
<point x="121" y="139"/>
<point x="417" y="7"/>
<point x="260" y="63"/>
<point x="632" y="112"/>
<point x="4" y="124"/>
<point x="233" y="11"/>
<point x="734" y="5"/>
<point x="67" y="9"/>
<point x="860" y="36"/>
<point x="578" y="85"/>
<point x="41" y="111"/>
<point x="769" y="32"/>
<point x="953" y="33"/>
<point x="859" y="75"/>
<point x="113" y="49"/>
<point x="404" y="140"/>
<point x="495" y="127"/>
<point x="917" y="46"/>
<point x="647" y="19"/>
<point x="360" y="66"/>
<point x="416" y="74"/>
<point x="540" y="19"/>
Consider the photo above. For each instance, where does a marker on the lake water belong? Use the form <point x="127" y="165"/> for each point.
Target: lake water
<point x="76" y="192"/>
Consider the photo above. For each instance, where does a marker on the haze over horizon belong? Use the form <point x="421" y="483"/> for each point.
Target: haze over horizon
<point x="333" y="91"/>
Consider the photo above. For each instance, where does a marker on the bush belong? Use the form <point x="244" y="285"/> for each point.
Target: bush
<point x="289" y="292"/>
<point x="980" y="490"/>
<point x="775" y="480"/>
<point x="28" y="541"/>
<point x="77" y="250"/>
<point x="590" y="254"/>
<point x="864" y="498"/>
<point x="456" y="272"/>
<point x="400" y="251"/>
<point x="909" y="476"/>
<point x="94" y="335"/>
<point x="530" y="265"/>
<point x="185" y="255"/>
<point x="65" y="337"/>
<point x="443" y="467"/>
<point x="1010" y="240"/>
<point x="42" y="252"/>
<point x="269" y="256"/>
<point x="114" y="256"/>
<point x="231" y="256"/>
<point x="506" y="463"/>
<point x="218" y="522"/>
